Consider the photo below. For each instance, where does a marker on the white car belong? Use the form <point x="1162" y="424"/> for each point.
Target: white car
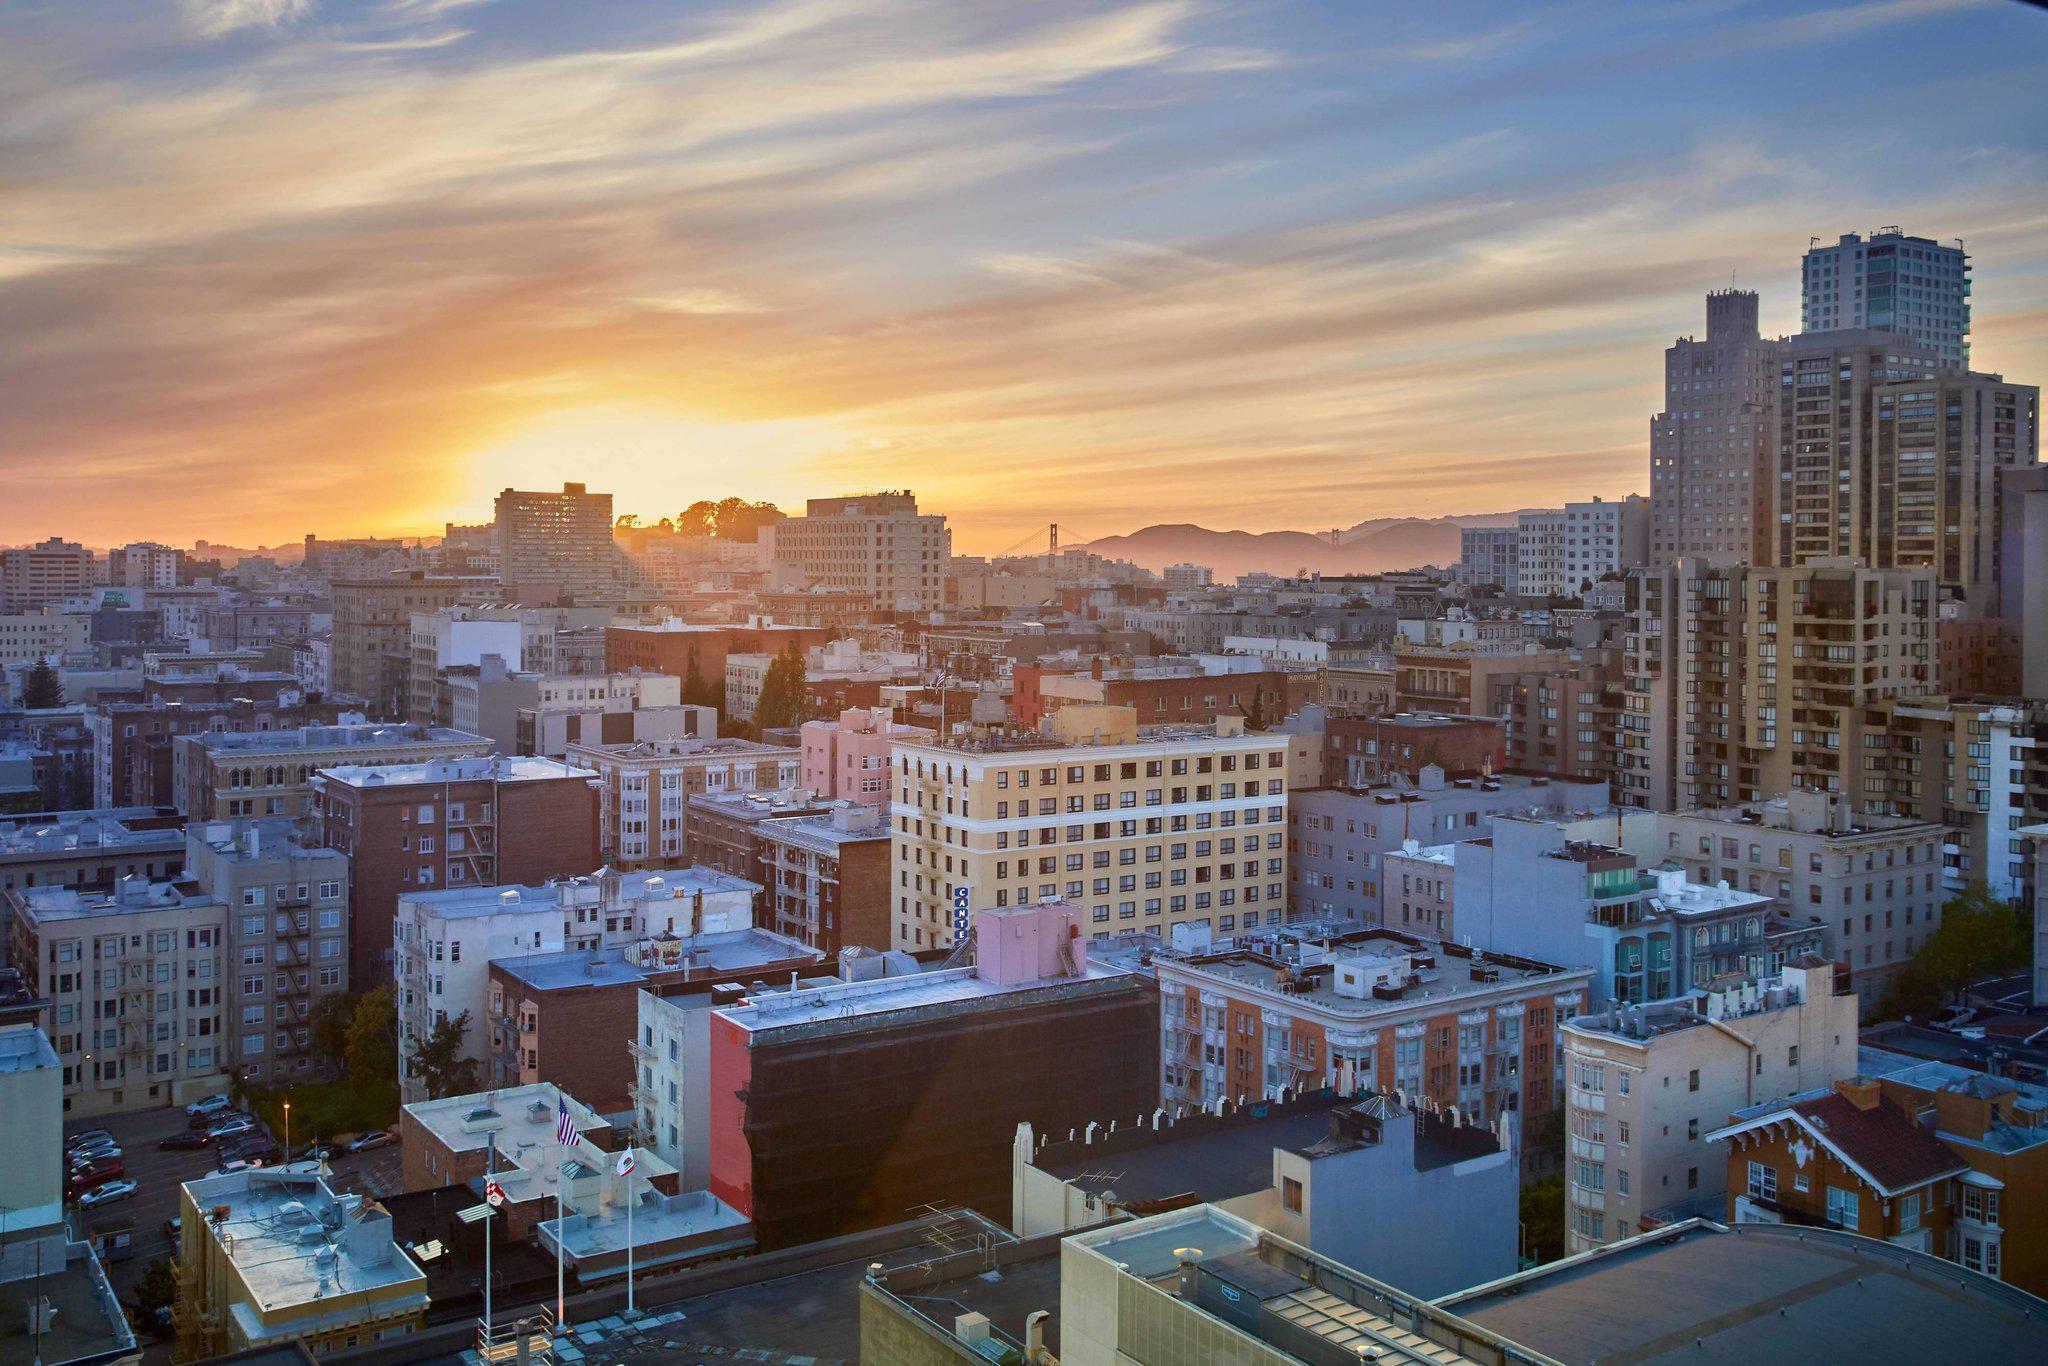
<point x="107" y="1194"/>
<point x="209" y="1105"/>
<point x="228" y="1128"/>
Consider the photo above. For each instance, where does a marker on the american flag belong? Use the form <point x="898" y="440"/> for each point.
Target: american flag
<point x="565" y="1127"/>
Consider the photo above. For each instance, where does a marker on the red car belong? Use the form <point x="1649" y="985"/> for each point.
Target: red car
<point x="85" y="1175"/>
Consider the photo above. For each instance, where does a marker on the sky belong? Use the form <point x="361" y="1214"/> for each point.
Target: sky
<point x="277" y="266"/>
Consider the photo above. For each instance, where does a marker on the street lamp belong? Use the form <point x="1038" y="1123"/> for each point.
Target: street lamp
<point x="287" y="1131"/>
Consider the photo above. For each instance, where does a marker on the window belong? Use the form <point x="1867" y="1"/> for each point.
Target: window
<point x="1290" y="1194"/>
<point x="1842" y="1207"/>
<point x="1763" y="1182"/>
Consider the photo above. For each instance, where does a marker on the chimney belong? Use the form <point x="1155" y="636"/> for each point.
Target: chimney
<point x="1861" y="1092"/>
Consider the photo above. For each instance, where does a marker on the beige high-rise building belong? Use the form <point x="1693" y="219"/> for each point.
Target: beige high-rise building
<point x="1825" y="420"/>
<point x="1175" y="829"/>
<point x="875" y="543"/>
<point x="32" y="575"/>
<point x="1941" y="448"/>
<point x="557" y="538"/>
<point x="1710" y="472"/>
<point x="371" y="654"/>
<point x="1745" y="683"/>
<point x="1645" y="1084"/>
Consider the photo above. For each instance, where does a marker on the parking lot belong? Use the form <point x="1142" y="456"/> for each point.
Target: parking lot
<point x="159" y="1173"/>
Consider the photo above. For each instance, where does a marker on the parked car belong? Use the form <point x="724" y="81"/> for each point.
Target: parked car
<point x="376" y="1138"/>
<point x="1953" y="1017"/>
<point x="228" y="1128"/>
<point x="84" y="1178"/>
<point x="320" y="1152"/>
<point x="210" y="1105"/>
<point x="235" y="1164"/>
<point x="173" y="1229"/>
<point x="90" y="1151"/>
<point x="86" y="1137"/>
<point x="108" y="1193"/>
<point x="94" y="1156"/>
<point x="187" y="1139"/>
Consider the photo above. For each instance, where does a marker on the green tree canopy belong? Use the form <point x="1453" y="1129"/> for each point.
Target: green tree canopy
<point x="1979" y="936"/>
<point x="372" y="1050"/>
<point x="785" y="697"/>
<point x="42" y="687"/>
<point x="438" y="1062"/>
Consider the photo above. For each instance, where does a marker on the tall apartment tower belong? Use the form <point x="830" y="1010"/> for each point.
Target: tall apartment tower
<point x="1710" y="487"/>
<point x="1891" y="283"/>
<point x="1942" y="450"/>
<point x="565" y="538"/>
<point x="1824" y="415"/>
<point x="1746" y="683"/>
<point x="874" y="543"/>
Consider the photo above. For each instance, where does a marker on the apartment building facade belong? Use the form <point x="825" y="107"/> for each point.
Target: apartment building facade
<point x="644" y="790"/>
<point x="826" y="877"/>
<point x="29" y="638"/>
<point x="470" y="822"/>
<point x="847" y="758"/>
<point x="875" y="543"/>
<point x="94" y="848"/>
<point x="1645" y="1086"/>
<point x="1560" y="552"/>
<point x="229" y="775"/>
<point x="1178" y="829"/>
<point x="1745" y="683"/>
<point x="370" y="657"/>
<point x="1711" y="486"/>
<point x="1891" y="282"/>
<point x="1490" y="555"/>
<point x="1366" y="1011"/>
<point x="560" y="539"/>
<point x="47" y="572"/>
<point x="1979" y="767"/>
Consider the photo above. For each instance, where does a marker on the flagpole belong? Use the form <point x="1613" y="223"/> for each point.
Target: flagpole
<point x="560" y="1217"/>
<point x="630" y="1202"/>
<point x="490" y="1210"/>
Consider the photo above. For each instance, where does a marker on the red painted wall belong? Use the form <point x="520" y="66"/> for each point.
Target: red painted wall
<point x="732" y="1159"/>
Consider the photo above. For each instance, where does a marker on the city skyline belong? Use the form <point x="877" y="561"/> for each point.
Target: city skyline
<point x="277" y="266"/>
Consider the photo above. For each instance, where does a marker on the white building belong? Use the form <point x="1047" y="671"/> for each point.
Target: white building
<point x="1891" y="283"/>
<point x="1188" y="578"/>
<point x="443" y="942"/>
<point x="1646" y="1084"/>
<point x="1561" y="550"/>
<point x="876" y="543"/>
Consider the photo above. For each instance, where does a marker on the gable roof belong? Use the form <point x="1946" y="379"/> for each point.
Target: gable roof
<point x="1882" y="1144"/>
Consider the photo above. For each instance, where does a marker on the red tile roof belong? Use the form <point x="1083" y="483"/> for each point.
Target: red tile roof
<point x="1883" y="1141"/>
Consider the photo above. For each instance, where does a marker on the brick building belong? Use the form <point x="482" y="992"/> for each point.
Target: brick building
<point x="568" y="1016"/>
<point x="721" y="829"/>
<point x="826" y="877"/>
<point x="1164" y="693"/>
<point x="1362" y="751"/>
<point x="131" y="740"/>
<point x="1374" y="1010"/>
<point x="683" y="648"/>
<point x="476" y="822"/>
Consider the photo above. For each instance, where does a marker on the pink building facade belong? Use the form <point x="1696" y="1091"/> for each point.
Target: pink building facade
<point x="849" y="758"/>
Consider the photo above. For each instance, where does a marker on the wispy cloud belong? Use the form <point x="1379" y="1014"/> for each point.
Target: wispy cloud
<point x="1110" y="264"/>
<point x="213" y="18"/>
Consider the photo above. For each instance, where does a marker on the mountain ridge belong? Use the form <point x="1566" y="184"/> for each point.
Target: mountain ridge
<point x="1374" y="546"/>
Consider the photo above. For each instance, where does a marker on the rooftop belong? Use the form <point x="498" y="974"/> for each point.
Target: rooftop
<point x="755" y="806"/>
<point x="1875" y="1138"/>
<point x="332" y="737"/>
<point x="25" y="1048"/>
<point x="605" y="888"/>
<point x="477" y="769"/>
<point x="88" y="1325"/>
<point x="1365" y="972"/>
<point x="731" y="953"/>
<point x="294" y="1241"/>
<point x="1706" y="1295"/>
<point x="129" y="896"/>
<point x="825" y="833"/>
<point x="519" y="1121"/>
<point x="122" y="827"/>
<point x="724" y="748"/>
<point x="829" y="1001"/>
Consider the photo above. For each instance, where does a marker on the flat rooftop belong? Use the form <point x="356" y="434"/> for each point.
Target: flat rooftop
<point x="723" y="748"/>
<point x="125" y="828"/>
<point x="480" y="769"/>
<point x="733" y="953"/>
<point x="1709" y="1295"/>
<point x="824" y="834"/>
<point x="25" y="1049"/>
<point x="89" y="1323"/>
<point x="130" y="896"/>
<point x="333" y="737"/>
<point x="671" y="884"/>
<point x="830" y="1001"/>
<point x="279" y="1221"/>
<point x="1221" y="1164"/>
<point x="1451" y="975"/>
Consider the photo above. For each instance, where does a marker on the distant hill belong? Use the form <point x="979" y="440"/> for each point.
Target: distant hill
<point x="1370" y="547"/>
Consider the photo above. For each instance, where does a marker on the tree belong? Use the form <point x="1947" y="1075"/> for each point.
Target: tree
<point x="438" y="1062"/>
<point x="331" y="1021"/>
<point x="1543" y="1219"/>
<point x="373" y="1036"/>
<point x="42" y="687"/>
<point x="1979" y="936"/>
<point x="785" y="697"/>
<point x="696" y="691"/>
<point x="729" y="519"/>
<point x="155" y="1293"/>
